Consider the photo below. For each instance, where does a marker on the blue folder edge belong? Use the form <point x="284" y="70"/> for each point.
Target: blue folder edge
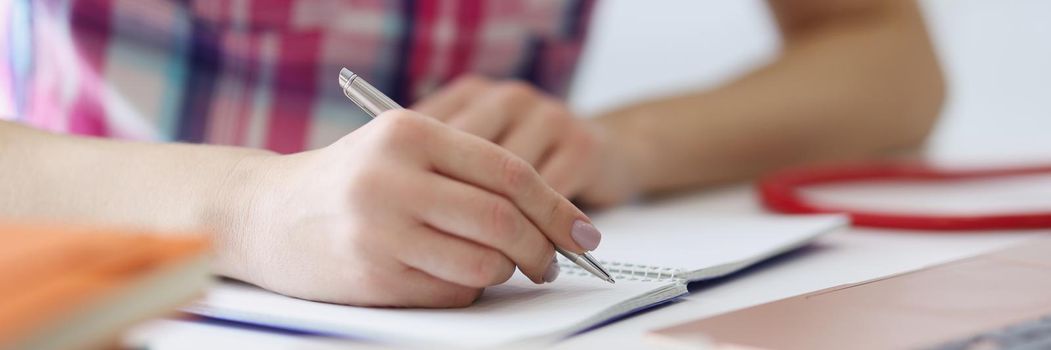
<point x="284" y="330"/>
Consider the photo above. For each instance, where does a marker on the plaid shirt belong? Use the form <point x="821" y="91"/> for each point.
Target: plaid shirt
<point x="262" y="73"/>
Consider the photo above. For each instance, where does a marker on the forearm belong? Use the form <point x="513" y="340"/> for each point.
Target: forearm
<point x="847" y="88"/>
<point x="161" y="187"/>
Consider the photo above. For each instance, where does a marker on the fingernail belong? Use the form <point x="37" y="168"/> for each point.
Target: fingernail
<point x="552" y="271"/>
<point x="586" y="235"/>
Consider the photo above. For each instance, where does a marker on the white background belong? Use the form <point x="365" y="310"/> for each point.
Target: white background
<point x="996" y="55"/>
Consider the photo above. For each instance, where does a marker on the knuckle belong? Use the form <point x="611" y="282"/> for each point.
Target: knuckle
<point x="587" y="142"/>
<point x="486" y="268"/>
<point x="515" y="173"/>
<point x="557" y="212"/>
<point x="504" y="274"/>
<point x="402" y="127"/>
<point x="556" y="113"/>
<point x="514" y="90"/>
<point x="503" y="221"/>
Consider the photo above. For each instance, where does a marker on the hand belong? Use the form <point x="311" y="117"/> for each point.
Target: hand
<point x="573" y="155"/>
<point x="404" y="211"/>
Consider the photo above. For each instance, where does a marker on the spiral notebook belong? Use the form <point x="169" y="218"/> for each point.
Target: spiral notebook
<point x="653" y="253"/>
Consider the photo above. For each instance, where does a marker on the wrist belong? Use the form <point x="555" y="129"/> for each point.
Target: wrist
<point x="627" y="132"/>
<point x="240" y="209"/>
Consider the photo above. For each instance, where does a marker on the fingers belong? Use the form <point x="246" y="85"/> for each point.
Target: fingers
<point x="535" y="133"/>
<point x="453" y="259"/>
<point x="448" y="101"/>
<point x="416" y="288"/>
<point x="491" y="114"/>
<point x="511" y="113"/>
<point x="567" y="168"/>
<point x="490" y="220"/>
<point x="477" y="162"/>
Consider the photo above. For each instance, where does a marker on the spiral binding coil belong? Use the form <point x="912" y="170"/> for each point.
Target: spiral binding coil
<point x="626" y="271"/>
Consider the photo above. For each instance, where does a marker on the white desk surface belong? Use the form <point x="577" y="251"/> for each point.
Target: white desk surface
<point x="999" y="107"/>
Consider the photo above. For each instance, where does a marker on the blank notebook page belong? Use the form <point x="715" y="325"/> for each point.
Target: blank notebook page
<point x="693" y="242"/>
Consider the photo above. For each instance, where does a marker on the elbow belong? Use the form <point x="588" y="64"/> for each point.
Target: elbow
<point x="883" y="70"/>
<point x="921" y="97"/>
<point x="922" y="102"/>
<point x="917" y="82"/>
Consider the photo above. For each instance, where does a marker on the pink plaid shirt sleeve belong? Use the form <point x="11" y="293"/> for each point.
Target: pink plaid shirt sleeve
<point x="260" y="73"/>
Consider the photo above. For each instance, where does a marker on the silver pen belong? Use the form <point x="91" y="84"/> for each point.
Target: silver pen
<point x="374" y="102"/>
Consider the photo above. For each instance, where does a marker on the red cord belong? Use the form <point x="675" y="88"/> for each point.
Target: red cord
<point x="780" y="192"/>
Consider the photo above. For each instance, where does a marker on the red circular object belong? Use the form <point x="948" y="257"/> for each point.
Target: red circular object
<point x="780" y="192"/>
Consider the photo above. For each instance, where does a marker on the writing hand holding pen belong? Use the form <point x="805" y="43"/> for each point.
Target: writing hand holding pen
<point x="374" y="102"/>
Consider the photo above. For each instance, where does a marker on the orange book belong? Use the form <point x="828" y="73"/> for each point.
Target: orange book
<point x="63" y="288"/>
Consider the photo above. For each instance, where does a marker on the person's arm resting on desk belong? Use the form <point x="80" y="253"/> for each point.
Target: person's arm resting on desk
<point x="854" y="79"/>
<point x="404" y="211"/>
